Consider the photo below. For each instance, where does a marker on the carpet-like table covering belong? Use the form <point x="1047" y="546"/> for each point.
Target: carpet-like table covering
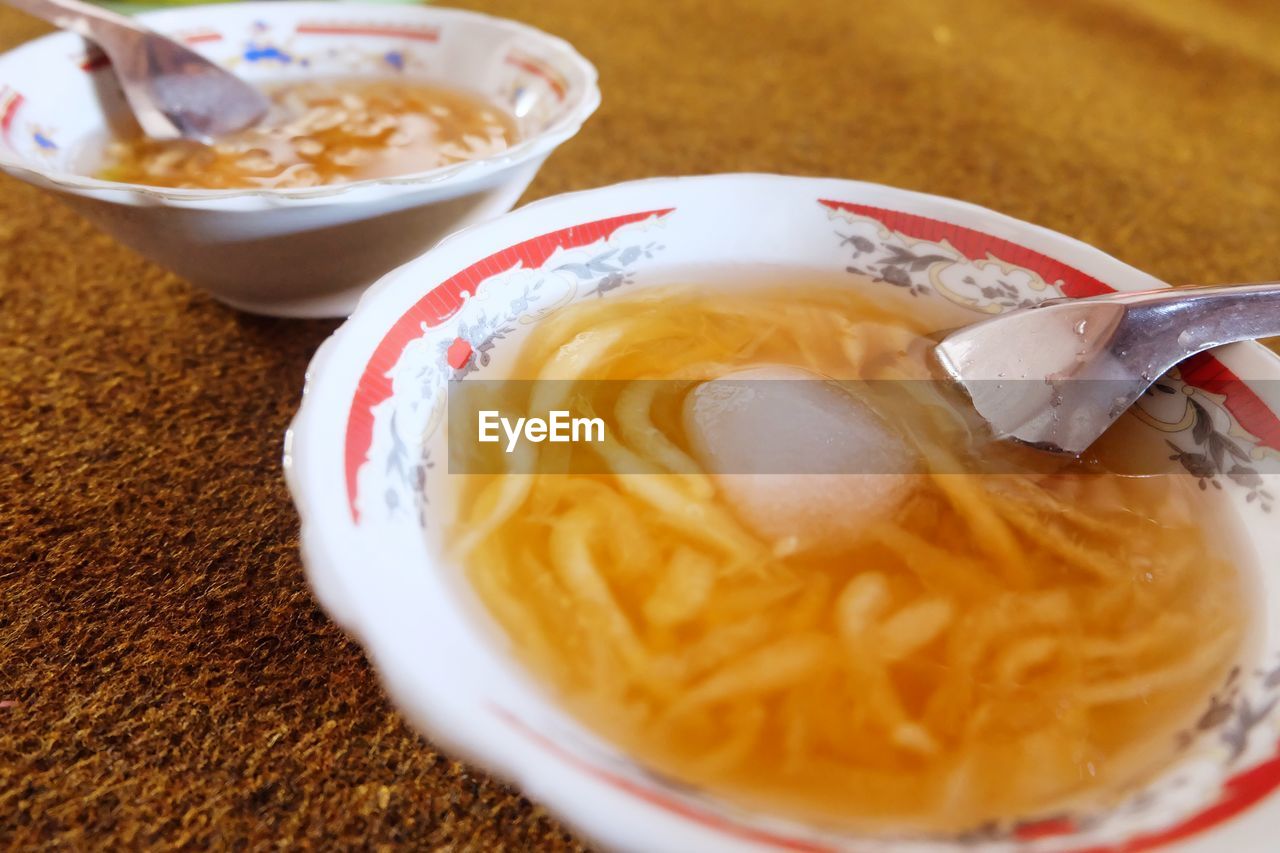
<point x="166" y="678"/>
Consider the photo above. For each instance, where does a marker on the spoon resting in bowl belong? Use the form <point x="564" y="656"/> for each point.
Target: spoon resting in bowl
<point x="1057" y="375"/>
<point x="174" y="92"/>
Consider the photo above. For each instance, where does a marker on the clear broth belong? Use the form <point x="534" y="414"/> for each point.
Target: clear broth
<point x="324" y="132"/>
<point x="1001" y="647"/>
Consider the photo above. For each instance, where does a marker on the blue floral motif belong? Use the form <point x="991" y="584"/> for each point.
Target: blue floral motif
<point x="260" y="52"/>
<point x="395" y="59"/>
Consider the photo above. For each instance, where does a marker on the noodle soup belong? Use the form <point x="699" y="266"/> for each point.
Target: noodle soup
<point x="325" y="132"/>
<point x="971" y="647"/>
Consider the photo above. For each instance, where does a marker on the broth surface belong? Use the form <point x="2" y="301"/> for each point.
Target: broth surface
<point x="1001" y="646"/>
<point x="325" y="132"/>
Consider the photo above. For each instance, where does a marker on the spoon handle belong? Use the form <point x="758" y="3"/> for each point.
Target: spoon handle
<point x="83" y="19"/>
<point x="1182" y="321"/>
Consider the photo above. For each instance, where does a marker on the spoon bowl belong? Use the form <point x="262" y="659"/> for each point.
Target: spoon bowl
<point x="1093" y="358"/>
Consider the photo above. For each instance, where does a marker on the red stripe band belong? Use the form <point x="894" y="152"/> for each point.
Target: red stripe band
<point x="416" y="34"/>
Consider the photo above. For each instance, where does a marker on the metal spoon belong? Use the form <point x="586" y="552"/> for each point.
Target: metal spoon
<point x="1057" y="375"/>
<point x="173" y="91"/>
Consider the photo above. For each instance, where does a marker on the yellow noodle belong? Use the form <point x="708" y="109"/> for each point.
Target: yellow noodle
<point x="766" y="670"/>
<point x="954" y="574"/>
<point x="704" y="520"/>
<point x="989" y="532"/>
<point x="572" y="560"/>
<point x="682" y="590"/>
<point x="914" y="626"/>
<point x="645" y="438"/>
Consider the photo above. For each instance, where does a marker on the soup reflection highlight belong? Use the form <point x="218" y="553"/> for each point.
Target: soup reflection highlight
<point x="974" y="648"/>
<point x="325" y="132"/>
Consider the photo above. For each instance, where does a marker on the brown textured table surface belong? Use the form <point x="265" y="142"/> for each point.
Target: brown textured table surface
<point x="165" y="676"/>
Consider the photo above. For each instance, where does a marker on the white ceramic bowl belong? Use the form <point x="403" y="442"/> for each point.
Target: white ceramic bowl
<point x="304" y="252"/>
<point x="365" y="462"/>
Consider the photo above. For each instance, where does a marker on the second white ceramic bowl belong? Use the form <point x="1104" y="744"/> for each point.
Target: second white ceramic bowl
<point x="307" y="252"/>
<point x="367" y="462"/>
